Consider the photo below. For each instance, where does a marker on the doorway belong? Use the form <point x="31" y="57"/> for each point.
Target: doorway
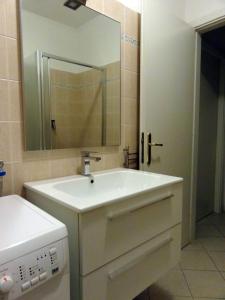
<point x="210" y="91"/>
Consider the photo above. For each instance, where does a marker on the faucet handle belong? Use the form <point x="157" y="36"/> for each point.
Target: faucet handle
<point x="86" y="153"/>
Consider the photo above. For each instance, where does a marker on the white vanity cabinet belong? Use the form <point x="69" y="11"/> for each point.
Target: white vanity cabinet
<point x="108" y="232"/>
<point x="128" y="275"/>
<point x="122" y="247"/>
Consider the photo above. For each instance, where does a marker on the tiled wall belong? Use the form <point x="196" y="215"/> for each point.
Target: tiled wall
<point x="26" y="166"/>
<point x="78" y="102"/>
<point x="112" y="102"/>
<point x="76" y="107"/>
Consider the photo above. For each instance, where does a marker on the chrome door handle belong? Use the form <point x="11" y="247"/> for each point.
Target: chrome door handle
<point x="150" y="145"/>
<point x="155" y="145"/>
<point x="142" y="148"/>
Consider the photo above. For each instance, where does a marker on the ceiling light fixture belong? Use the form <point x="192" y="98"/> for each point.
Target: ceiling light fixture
<point x="74" y="4"/>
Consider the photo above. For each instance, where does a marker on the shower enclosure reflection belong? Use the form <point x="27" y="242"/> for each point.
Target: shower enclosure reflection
<point x="76" y="100"/>
<point x="71" y="76"/>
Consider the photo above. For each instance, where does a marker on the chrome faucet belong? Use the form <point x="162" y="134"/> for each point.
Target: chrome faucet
<point x="86" y="161"/>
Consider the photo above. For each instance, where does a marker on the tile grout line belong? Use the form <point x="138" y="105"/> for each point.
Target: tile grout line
<point x="208" y="253"/>
<point x="8" y="37"/>
<point x="10" y="80"/>
<point x="220" y="229"/>
<point x="182" y="271"/>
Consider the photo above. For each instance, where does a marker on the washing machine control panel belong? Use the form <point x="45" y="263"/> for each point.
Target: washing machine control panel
<point x="30" y="271"/>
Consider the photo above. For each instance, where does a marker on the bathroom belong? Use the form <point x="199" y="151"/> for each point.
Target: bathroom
<point x="134" y="131"/>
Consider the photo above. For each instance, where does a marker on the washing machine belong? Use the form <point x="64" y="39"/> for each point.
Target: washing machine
<point x="34" y="255"/>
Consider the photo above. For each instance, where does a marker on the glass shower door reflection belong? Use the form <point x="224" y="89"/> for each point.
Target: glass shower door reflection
<point x="76" y="98"/>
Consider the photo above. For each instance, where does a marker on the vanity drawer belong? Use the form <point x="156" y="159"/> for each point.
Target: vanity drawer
<point x="109" y="232"/>
<point x="127" y="276"/>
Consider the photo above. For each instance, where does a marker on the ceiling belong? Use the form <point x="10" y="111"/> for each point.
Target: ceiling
<point x="55" y="10"/>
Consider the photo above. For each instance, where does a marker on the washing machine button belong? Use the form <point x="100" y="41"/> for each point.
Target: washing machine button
<point x="25" y="286"/>
<point x="52" y="251"/>
<point x="34" y="281"/>
<point x="43" y="276"/>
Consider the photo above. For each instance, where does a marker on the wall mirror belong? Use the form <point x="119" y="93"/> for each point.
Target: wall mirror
<point x="71" y="76"/>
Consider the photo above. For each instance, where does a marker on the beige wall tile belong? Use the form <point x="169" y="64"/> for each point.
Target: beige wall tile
<point x="3" y="57"/>
<point x="131" y="57"/>
<point x="112" y="160"/>
<point x="15" y="101"/>
<point x="5" y="144"/>
<point x="8" y="180"/>
<point x="97" y="5"/>
<point x="64" y="167"/>
<point x="36" y="155"/>
<point x="115" y="10"/>
<point x="2" y="17"/>
<point x="12" y="59"/>
<point x="36" y="170"/>
<point x="131" y="134"/>
<point x="11" y="18"/>
<point x="8" y="18"/>
<point x="131" y="85"/>
<point x="16" y="141"/>
<point x="132" y="23"/>
<point x="131" y="111"/>
<point x="4" y="101"/>
<point x="100" y="165"/>
<point x="122" y="53"/>
<point x="18" y="178"/>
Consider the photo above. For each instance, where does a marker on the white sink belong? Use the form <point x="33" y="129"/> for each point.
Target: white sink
<point x="78" y="193"/>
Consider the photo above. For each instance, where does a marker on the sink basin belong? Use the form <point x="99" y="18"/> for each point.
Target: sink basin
<point x="78" y="193"/>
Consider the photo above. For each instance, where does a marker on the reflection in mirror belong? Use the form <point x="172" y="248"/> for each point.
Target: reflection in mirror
<point x="78" y="121"/>
<point x="71" y="76"/>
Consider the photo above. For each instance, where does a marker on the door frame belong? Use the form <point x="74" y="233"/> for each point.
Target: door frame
<point x="201" y="26"/>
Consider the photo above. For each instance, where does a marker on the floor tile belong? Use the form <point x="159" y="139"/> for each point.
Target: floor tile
<point x="221" y="229"/>
<point x="205" y="221"/>
<point x="172" y="284"/>
<point x="216" y="219"/>
<point x="223" y="274"/>
<point x="206" y="284"/>
<point x="194" y="245"/>
<point x="219" y="260"/>
<point x="177" y="268"/>
<point x="157" y="293"/>
<point x="207" y="231"/>
<point x="213" y="244"/>
<point x="196" y="260"/>
<point x="205" y="299"/>
<point x="182" y="298"/>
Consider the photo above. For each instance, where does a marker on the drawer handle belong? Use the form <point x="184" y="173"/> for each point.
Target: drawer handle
<point x="124" y="268"/>
<point x="125" y="211"/>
